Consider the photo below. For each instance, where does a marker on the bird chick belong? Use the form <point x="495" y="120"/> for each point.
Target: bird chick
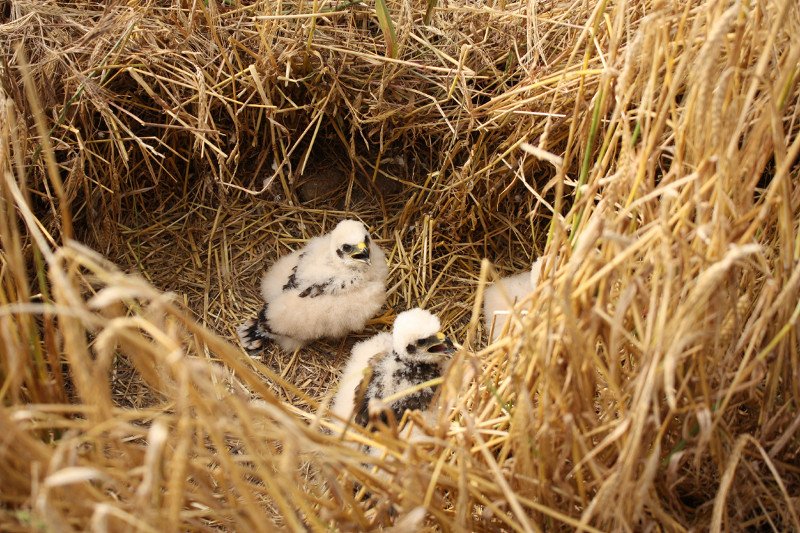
<point x="329" y="288"/>
<point x="389" y="363"/>
<point x="497" y="306"/>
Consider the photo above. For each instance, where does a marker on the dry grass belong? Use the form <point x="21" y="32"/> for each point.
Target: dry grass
<point x="155" y="159"/>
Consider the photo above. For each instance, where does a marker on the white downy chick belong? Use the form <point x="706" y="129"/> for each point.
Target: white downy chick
<point x="496" y="306"/>
<point x="389" y="363"/>
<point x="328" y="288"/>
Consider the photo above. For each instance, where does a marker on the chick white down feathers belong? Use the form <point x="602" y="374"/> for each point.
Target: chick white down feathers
<point x="328" y="288"/>
<point x="388" y="363"/>
<point x="497" y="305"/>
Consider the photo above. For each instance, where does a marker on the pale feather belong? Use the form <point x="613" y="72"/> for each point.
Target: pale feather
<point x="497" y="306"/>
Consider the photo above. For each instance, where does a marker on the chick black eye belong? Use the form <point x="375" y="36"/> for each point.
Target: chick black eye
<point x="347" y="248"/>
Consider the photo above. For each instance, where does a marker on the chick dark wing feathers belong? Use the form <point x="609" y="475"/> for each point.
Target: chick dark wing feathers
<point x="418" y="371"/>
<point x="415" y="372"/>
<point x="291" y="283"/>
<point x="255" y="331"/>
<point x="316" y="289"/>
<point x="372" y="387"/>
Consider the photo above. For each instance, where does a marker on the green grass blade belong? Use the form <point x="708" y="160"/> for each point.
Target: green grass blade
<point x="429" y="11"/>
<point x="387" y="26"/>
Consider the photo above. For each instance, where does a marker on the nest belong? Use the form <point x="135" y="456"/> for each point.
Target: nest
<point x="156" y="159"/>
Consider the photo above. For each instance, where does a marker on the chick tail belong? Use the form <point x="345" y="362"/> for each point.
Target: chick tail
<point x="254" y="332"/>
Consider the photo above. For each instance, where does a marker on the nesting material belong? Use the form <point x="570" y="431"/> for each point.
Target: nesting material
<point x="501" y="297"/>
<point x="655" y="144"/>
<point x="329" y="288"/>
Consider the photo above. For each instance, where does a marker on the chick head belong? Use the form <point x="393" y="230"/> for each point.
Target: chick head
<point x="350" y="242"/>
<point x="416" y="336"/>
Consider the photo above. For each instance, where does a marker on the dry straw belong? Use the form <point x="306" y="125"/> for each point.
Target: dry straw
<point x="156" y="156"/>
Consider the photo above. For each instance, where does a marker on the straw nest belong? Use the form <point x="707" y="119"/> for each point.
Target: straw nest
<point x="156" y="158"/>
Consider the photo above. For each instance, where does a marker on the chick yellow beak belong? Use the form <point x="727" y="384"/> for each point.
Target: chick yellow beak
<point x="437" y="344"/>
<point x="361" y="253"/>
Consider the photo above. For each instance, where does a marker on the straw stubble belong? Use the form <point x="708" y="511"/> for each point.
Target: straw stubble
<point x="156" y="159"/>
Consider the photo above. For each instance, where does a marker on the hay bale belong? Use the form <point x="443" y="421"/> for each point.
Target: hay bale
<point x="655" y="380"/>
